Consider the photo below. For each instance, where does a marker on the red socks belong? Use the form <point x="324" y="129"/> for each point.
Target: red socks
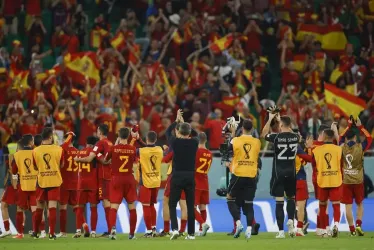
<point x="107" y="211"/>
<point x="79" y="218"/>
<point x="6" y="225"/>
<point x="52" y="220"/>
<point x="198" y="217"/>
<point x="147" y="217"/>
<point x="166" y="226"/>
<point x="133" y="221"/>
<point x="94" y="218"/>
<point x="336" y="208"/>
<point x="359" y="223"/>
<point x="63" y="220"/>
<point x="19" y="222"/>
<point x="323" y="216"/>
<point x="253" y="221"/>
<point x="183" y="226"/>
<point x="37" y="219"/>
<point x="42" y="224"/>
<point x="352" y="228"/>
<point x="204" y="215"/>
<point x="112" y="218"/>
<point x="154" y="215"/>
<point x="300" y="224"/>
<point x="318" y="221"/>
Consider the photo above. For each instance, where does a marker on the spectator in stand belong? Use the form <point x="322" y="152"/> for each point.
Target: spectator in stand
<point x="79" y="23"/>
<point x="10" y="9"/>
<point x="37" y="33"/>
<point x="213" y="127"/>
<point x="33" y="9"/>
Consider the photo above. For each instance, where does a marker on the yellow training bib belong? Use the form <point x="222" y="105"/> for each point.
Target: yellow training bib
<point x="246" y="153"/>
<point x="150" y="165"/>
<point x="47" y="159"/>
<point x="328" y="161"/>
<point x="26" y="170"/>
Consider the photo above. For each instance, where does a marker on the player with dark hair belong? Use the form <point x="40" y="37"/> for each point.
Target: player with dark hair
<point x="48" y="158"/>
<point x="37" y="140"/>
<point x="353" y="173"/>
<point x="203" y="164"/>
<point x="150" y="158"/>
<point x="327" y="160"/>
<point x="243" y="182"/>
<point x="283" y="178"/>
<point x="100" y="150"/>
<point x="87" y="191"/>
<point x="69" y="185"/>
<point x="22" y="165"/>
<point x="123" y="184"/>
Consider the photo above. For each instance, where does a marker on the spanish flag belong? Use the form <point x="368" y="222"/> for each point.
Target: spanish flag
<point x="222" y="44"/>
<point x="339" y="101"/>
<point x="81" y="65"/>
<point x="299" y="61"/>
<point x="165" y="81"/>
<point x="79" y="93"/>
<point x="231" y="100"/>
<point x="331" y="37"/>
<point x="19" y="79"/>
<point x="118" y="41"/>
<point x="177" y="38"/>
<point x="97" y="36"/>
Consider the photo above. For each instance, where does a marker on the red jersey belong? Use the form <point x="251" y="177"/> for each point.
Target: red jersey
<point x="87" y="128"/>
<point x="87" y="175"/>
<point x="101" y="149"/>
<point x="123" y="158"/>
<point x="203" y="163"/>
<point x="215" y="131"/>
<point x="70" y="170"/>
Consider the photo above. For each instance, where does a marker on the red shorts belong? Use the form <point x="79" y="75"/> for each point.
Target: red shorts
<point x="147" y="195"/>
<point x="332" y="194"/>
<point x="315" y="189"/>
<point x="104" y="187"/>
<point x="48" y="194"/>
<point x="352" y="191"/>
<point x="68" y="197"/>
<point x="87" y="196"/>
<point x="9" y="195"/>
<point x="167" y="189"/>
<point x="123" y="190"/>
<point x="301" y="190"/>
<point x="26" y="199"/>
<point x="201" y="197"/>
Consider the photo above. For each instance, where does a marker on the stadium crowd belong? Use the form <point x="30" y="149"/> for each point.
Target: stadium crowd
<point x="211" y="58"/>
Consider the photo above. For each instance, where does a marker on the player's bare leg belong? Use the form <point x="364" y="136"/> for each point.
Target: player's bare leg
<point x="166" y="217"/>
<point x="94" y="217"/>
<point x="112" y="220"/>
<point x="183" y="207"/>
<point x="349" y="213"/>
<point x="20" y="216"/>
<point x="360" y="213"/>
<point x="106" y="204"/>
<point x="133" y="220"/>
<point x="300" y="217"/>
<point x="204" y="227"/>
<point x="52" y="218"/>
<point x="63" y="215"/>
<point x="5" y="214"/>
<point x="147" y="220"/>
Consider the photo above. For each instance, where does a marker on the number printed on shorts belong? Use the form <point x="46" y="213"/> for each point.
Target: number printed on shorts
<point x="71" y="163"/>
<point x="284" y="148"/>
<point x="125" y="160"/>
<point x="205" y="166"/>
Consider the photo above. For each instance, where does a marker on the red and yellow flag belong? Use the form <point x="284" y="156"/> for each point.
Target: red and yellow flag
<point x="118" y="41"/>
<point x="342" y="102"/>
<point x="82" y="65"/>
<point x="299" y="61"/>
<point x="165" y="81"/>
<point x="19" y="79"/>
<point x="230" y="100"/>
<point x="222" y="44"/>
<point x="177" y="38"/>
<point x="96" y="37"/>
<point x="331" y="37"/>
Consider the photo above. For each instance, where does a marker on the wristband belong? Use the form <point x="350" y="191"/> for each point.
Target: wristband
<point x="15" y="177"/>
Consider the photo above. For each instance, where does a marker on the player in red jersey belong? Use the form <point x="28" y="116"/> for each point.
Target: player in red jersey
<point x="101" y="148"/>
<point x="87" y="191"/>
<point x="111" y="121"/>
<point x="203" y="164"/>
<point x="123" y="183"/>
<point x="68" y="191"/>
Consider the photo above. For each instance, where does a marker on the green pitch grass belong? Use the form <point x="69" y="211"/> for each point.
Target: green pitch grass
<point x="214" y="241"/>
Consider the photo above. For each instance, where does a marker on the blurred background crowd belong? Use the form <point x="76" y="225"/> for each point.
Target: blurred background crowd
<point x="78" y="63"/>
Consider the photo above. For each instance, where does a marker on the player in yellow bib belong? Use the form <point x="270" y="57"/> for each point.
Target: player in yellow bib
<point x="150" y="180"/>
<point x="327" y="160"/>
<point x="48" y="158"/>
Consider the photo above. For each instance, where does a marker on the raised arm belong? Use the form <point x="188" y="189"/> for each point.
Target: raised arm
<point x="366" y="144"/>
<point x="266" y="129"/>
